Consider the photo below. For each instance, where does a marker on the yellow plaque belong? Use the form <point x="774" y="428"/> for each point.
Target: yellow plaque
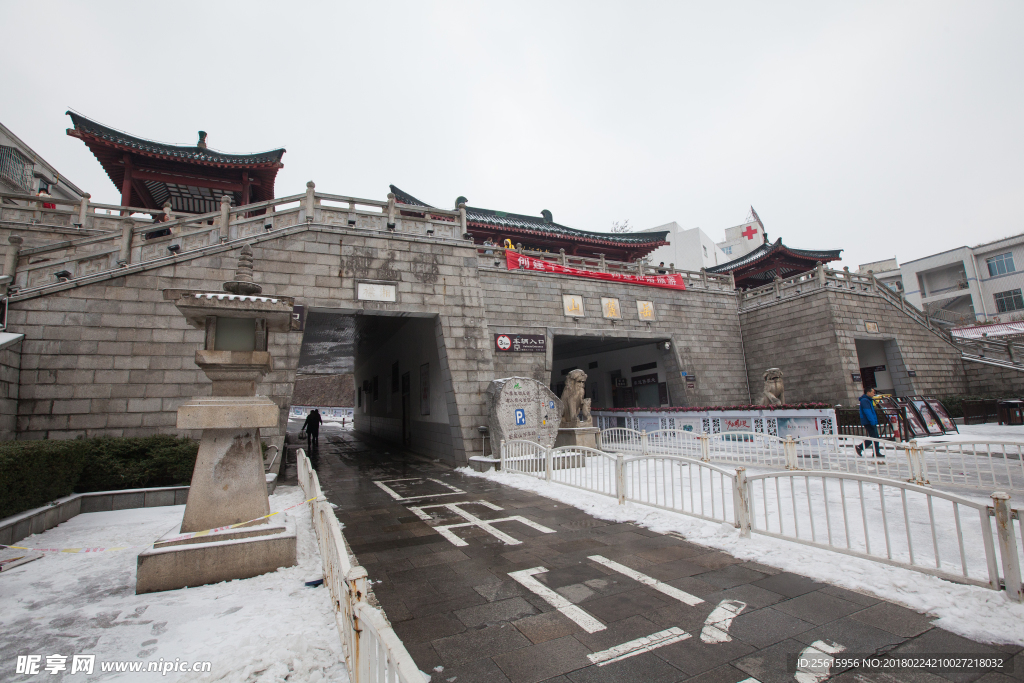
<point x="610" y="308"/>
<point x="572" y="304"/>
<point x="645" y="309"/>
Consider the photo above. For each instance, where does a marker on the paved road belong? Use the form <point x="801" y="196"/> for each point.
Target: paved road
<point x="550" y="593"/>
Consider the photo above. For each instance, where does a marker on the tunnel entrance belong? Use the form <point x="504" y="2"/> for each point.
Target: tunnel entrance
<point x="622" y="372"/>
<point x="393" y="364"/>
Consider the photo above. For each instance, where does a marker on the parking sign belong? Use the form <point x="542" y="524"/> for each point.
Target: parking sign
<point x="520" y="416"/>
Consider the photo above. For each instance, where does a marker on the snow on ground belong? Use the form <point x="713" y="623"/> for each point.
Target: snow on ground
<point x="984" y="432"/>
<point x="973" y="612"/>
<point x="269" y="628"/>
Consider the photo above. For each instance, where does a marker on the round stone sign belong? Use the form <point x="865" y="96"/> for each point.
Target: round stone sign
<point x="522" y="408"/>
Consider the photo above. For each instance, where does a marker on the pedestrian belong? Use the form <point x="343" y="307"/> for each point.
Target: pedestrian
<point x="661" y="268"/>
<point x="312" y="428"/>
<point x="869" y="419"/>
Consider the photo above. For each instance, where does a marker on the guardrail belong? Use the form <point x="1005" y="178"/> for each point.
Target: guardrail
<point x="882" y="520"/>
<point x="373" y="653"/>
<point x="983" y="465"/>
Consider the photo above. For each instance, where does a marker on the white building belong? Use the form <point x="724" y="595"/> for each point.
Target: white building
<point x="22" y="171"/>
<point x="741" y="240"/>
<point x="887" y="271"/>
<point x="688" y="249"/>
<point x="983" y="282"/>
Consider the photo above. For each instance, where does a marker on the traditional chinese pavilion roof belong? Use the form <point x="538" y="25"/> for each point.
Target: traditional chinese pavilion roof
<point x="545" y="233"/>
<point x="761" y="266"/>
<point x="192" y="178"/>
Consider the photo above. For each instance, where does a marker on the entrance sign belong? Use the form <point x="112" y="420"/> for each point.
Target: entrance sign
<point x="522" y="408"/>
<point x="376" y="291"/>
<point x="515" y="261"/>
<point x="521" y="342"/>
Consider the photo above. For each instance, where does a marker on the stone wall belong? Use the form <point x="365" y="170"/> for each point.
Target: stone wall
<point x="992" y="380"/>
<point x="812" y="338"/>
<point x="112" y="357"/>
<point x="703" y="326"/>
<point x="10" y="368"/>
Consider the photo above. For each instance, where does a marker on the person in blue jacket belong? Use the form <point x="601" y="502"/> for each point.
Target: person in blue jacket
<point x="869" y="419"/>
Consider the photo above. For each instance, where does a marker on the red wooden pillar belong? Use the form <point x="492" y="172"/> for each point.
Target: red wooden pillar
<point x="245" y="189"/>
<point x="126" y="185"/>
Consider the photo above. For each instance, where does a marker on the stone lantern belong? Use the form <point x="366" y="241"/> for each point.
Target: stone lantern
<point x="228" y="482"/>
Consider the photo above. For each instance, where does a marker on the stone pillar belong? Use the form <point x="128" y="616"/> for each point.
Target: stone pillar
<point x="127" y="232"/>
<point x="391" y="211"/>
<point x="225" y="217"/>
<point x="310" y="201"/>
<point x="462" y="218"/>
<point x="11" y="260"/>
<point x="820" y="268"/>
<point x="83" y="211"/>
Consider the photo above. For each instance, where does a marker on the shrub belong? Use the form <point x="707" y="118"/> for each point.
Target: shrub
<point x="33" y="473"/>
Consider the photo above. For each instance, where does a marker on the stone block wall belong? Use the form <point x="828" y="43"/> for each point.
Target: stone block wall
<point x="704" y="328"/>
<point x="992" y="380"/>
<point x="10" y="369"/>
<point x="812" y="338"/>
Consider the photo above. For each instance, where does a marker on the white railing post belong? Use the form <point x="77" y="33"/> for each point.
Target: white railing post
<point x="501" y="454"/>
<point x="643" y="442"/>
<point x="548" y="456"/>
<point x="1007" y="546"/>
<point x="915" y="455"/>
<point x="705" y="447"/>
<point x="741" y="501"/>
<point x="789" y="450"/>
<point x="620" y="479"/>
<point x="310" y="201"/>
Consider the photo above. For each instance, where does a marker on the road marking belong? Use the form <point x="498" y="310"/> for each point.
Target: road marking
<point x="396" y="496"/>
<point x="820" y="650"/>
<point x="472" y="520"/>
<point x="716" y="626"/>
<point x="671" y="591"/>
<point x="585" y="621"/>
<point x="635" y="647"/>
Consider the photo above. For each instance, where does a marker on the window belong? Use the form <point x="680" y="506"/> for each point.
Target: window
<point x="1009" y="301"/>
<point x="726" y="250"/>
<point x="705" y="252"/>
<point x="1000" y="265"/>
<point x="15" y="168"/>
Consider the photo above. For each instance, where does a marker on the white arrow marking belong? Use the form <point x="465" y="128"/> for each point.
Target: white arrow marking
<point x="818" y="650"/>
<point x="586" y="622"/>
<point x="672" y="592"/>
<point x="716" y="626"/>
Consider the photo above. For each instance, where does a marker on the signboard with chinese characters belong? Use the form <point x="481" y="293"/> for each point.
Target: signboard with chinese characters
<point x="572" y="304"/>
<point x="520" y="342"/>
<point x="376" y="291"/>
<point x="522" y="408"/>
<point x="645" y="309"/>
<point x="645" y="379"/>
<point x="610" y="308"/>
<point x="516" y="261"/>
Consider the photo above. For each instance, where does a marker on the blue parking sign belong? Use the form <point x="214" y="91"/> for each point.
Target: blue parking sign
<point x="520" y="416"/>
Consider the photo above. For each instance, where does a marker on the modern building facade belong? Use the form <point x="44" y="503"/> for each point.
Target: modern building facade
<point x="689" y="249"/>
<point x="23" y="171"/>
<point x="742" y="239"/>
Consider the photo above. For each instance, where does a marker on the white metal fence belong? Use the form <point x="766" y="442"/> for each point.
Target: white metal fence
<point x="983" y="465"/>
<point x="880" y="519"/>
<point x="373" y="653"/>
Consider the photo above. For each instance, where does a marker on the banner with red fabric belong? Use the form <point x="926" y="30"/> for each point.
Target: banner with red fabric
<point x="515" y="261"/>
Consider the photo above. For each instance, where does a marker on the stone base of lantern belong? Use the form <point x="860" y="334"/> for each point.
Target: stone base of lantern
<point x="577" y="436"/>
<point x="236" y="554"/>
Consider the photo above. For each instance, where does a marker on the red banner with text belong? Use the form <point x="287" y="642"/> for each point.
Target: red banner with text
<point x="516" y="261"/>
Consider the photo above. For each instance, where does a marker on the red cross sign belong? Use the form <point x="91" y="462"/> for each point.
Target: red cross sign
<point x="749" y="232"/>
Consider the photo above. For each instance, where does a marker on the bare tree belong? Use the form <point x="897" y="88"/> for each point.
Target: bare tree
<point x="621" y="226"/>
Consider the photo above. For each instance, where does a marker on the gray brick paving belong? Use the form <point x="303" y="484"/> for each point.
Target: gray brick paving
<point x="458" y="608"/>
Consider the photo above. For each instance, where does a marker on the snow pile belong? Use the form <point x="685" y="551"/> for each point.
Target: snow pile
<point x="268" y="628"/>
<point x="970" y="611"/>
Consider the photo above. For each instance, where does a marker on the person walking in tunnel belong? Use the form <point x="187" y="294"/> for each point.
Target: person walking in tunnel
<point x="312" y="428"/>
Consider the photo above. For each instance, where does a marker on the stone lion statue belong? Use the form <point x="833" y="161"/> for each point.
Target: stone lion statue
<point x="774" y="393"/>
<point x="572" y="398"/>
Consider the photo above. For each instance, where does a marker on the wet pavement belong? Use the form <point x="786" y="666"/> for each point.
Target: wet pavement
<point x="484" y="582"/>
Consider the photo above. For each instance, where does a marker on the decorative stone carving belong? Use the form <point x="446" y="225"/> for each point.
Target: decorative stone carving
<point x="572" y="400"/>
<point x="773" y="393"/>
<point x="522" y="408"/>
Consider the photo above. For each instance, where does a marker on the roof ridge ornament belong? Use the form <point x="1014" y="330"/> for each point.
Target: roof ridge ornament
<point x="243" y="284"/>
<point x="202" y="140"/>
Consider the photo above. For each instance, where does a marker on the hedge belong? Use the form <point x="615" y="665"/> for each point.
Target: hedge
<point x="33" y="473"/>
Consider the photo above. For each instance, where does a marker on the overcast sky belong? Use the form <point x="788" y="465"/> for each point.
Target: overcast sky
<point x="882" y="128"/>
